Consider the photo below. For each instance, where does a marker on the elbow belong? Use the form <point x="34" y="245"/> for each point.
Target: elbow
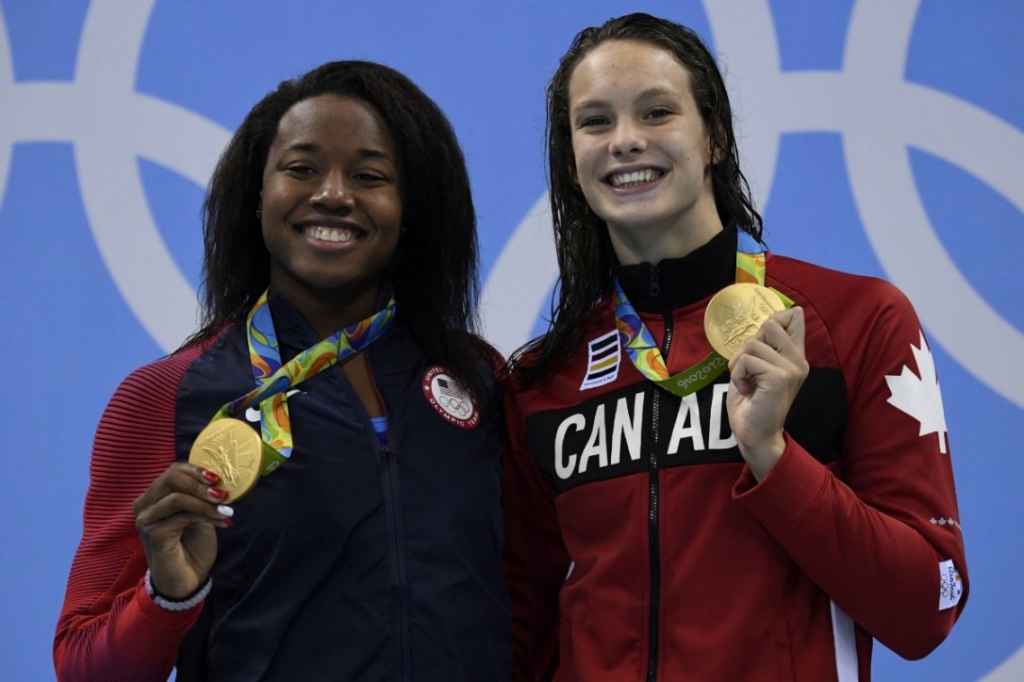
<point x="927" y="624"/>
<point x="914" y="643"/>
<point x="917" y="649"/>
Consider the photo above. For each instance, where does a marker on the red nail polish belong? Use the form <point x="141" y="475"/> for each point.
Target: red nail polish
<point x="230" y="523"/>
<point x="216" y="493"/>
<point x="210" y="477"/>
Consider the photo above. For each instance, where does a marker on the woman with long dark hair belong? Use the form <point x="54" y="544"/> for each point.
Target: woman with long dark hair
<point x="309" y="488"/>
<point x="720" y="467"/>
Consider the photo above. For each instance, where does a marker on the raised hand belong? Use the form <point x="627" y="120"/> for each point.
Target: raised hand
<point x="766" y="372"/>
<point x="177" y="518"/>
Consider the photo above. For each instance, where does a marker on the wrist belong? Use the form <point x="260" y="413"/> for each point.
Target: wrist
<point x="762" y="460"/>
<point x="174" y="603"/>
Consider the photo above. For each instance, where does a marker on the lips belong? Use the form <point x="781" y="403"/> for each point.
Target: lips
<point x="633" y="178"/>
<point x="332" y="233"/>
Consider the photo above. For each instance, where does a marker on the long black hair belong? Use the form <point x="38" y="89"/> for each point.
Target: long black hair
<point x="434" y="270"/>
<point x="585" y="254"/>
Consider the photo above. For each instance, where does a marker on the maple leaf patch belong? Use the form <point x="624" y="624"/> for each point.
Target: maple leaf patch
<point x="919" y="396"/>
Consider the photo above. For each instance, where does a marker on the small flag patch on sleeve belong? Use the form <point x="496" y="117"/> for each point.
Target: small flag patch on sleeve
<point x="603" y="357"/>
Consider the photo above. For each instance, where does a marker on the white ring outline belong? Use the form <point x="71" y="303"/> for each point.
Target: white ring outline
<point x="111" y="126"/>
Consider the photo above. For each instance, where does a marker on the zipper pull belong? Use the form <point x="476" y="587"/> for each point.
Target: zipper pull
<point x="655" y="284"/>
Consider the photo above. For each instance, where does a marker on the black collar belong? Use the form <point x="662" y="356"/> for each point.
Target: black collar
<point x="678" y="282"/>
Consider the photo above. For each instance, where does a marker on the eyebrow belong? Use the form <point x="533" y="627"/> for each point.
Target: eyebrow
<point x="649" y="93"/>
<point x="312" y="148"/>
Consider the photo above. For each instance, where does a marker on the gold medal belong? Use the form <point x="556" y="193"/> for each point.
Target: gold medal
<point x="735" y="314"/>
<point x="233" y="450"/>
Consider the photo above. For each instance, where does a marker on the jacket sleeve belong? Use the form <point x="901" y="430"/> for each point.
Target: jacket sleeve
<point x="880" y="535"/>
<point x="109" y="627"/>
<point x="536" y="561"/>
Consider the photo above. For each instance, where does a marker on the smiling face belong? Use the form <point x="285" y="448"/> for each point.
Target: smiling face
<point x="641" y="150"/>
<point x="331" y="203"/>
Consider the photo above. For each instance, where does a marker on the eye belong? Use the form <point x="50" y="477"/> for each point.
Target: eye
<point x="370" y="177"/>
<point x="592" y="122"/>
<point x="659" y="112"/>
<point x="300" y="169"/>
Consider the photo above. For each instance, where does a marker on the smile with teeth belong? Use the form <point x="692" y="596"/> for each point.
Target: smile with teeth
<point x="330" y="234"/>
<point x="634" y="178"/>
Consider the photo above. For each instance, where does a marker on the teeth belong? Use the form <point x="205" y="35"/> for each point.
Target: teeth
<point x="634" y="178"/>
<point x="330" y="234"/>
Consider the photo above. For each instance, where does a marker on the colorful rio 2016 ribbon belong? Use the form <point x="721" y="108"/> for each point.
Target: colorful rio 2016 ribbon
<point x="644" y="352"/>
<point x="273" y="379"/>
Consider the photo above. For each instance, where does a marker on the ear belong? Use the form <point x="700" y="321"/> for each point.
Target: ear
<point x="716" y="146"/>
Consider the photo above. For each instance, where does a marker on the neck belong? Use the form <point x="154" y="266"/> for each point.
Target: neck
<point x="328" y="314"/>
<point x="683" y="281"/>
<point x="641" y="246"/>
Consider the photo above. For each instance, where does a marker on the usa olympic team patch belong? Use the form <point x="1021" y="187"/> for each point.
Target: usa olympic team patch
<point x="449" y="399"/>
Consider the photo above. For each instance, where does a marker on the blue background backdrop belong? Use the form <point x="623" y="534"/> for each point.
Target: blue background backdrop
<point x="882" y="137"/>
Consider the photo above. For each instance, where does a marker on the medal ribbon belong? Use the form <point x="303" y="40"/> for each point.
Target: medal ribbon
<point x="273" y="379"/>
<point x="644" y="352"/>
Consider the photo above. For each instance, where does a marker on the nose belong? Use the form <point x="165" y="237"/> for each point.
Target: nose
<point x="626" y="139"/>
<point x="333" y="192"/>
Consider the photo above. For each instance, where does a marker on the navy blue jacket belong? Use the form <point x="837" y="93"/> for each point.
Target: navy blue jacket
<point x="352" y="561"/>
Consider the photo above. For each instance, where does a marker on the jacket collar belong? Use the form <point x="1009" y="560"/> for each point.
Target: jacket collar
<point x="678" y="282"/>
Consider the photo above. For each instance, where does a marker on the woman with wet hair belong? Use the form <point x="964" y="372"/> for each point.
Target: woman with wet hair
<point x="719" y="467"/>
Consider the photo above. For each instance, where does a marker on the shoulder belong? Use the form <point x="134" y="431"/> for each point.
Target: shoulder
<point x="158" y="377"/>
<point x="151" y="390"/>
<point x="538" y="363"/>
<point x="833" y="293"/>
<point x="857" y="322"/>
<point x="489" y="359"/>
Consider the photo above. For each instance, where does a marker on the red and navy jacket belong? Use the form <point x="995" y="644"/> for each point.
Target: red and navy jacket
<point x="352" y="561"/>
<point x="639" y="545"/>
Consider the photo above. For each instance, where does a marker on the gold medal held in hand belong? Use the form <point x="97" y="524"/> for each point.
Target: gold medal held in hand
<point x="233" y="450"/>
<point x="735" y="314"/>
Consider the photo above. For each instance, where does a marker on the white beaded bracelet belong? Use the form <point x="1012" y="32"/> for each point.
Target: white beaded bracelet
<point x="173" y="605"/>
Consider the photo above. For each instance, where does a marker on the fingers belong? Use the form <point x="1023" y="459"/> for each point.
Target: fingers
<point x="766" y="374"/>
<point x="792" y="322"/>
<point x="780" y="338"/>
<point x="784" y="332"/>
<point x="177" y="518"/>
<point x="183" y="494"/>
<point x="175" y="512"/>
<point x="180" y="477"/>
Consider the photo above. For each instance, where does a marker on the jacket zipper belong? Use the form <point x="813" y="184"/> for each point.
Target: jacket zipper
<point x="388" y="466"/>
<point x="652" y="521"/>
<point x="399" y="579"/>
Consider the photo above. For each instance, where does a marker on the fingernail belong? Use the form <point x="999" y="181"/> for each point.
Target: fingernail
<point x="216" y="493"/>
<point x="225" y="510"/>
<point x="228" y="523"/>
<point x="210" y="477"/>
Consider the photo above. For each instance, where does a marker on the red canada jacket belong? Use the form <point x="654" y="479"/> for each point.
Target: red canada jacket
<point x="640" y="546"/>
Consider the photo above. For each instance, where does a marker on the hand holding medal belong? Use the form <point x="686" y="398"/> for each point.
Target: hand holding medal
<point x="767" y="368"/>
<point x="176" y="518"/>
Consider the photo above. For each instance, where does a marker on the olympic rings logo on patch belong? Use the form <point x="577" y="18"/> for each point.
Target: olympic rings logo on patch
<point x="449" y="399"/>
<point x="455" y="406"/>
